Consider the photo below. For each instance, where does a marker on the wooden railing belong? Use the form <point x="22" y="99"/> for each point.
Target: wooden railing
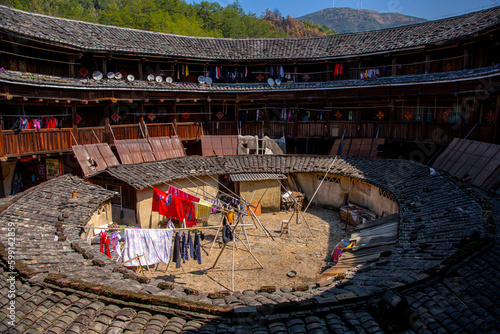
<point x="221" y="128"/>
<point x="160" y="129"/>
<point x="28" y="142"/>
<point x="188" y="130"/>
<point x="36" y="141"/>
<point x="231" y="128"/>
<point x="88" y="135"/>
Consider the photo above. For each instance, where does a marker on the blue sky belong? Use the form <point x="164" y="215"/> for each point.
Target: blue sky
<point x="428" y="9"/>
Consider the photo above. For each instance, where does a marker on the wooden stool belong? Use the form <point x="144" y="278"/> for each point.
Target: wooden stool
<point x="285" y="226"/>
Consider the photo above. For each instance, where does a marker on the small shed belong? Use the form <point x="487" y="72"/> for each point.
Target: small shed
<point x="264" y="187"/>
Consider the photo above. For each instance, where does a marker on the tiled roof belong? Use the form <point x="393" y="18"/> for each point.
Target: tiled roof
<point x="39" y="80"/>
<point x="108" y="39"/>
<point x="68" y="286"/>
<point x="256" y="177"/>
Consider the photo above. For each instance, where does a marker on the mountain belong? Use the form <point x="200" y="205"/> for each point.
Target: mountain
<point x="346" y="20"/>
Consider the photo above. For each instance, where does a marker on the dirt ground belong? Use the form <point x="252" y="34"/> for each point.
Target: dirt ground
<point x="307" y="256"/>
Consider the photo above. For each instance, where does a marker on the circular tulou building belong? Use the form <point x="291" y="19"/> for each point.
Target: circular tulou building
<point x="397" y="129"/>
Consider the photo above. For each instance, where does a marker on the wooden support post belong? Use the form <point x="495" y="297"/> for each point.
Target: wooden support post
<point x="107" y="137"/>
<point x="265" y="125"/>
<point x="139" y="68"/>
<point x="466" y="59"/>
<point x="391" y="120"/>
<point x="236" y="109"/>
<point x="461" y="130"/>
<point x="496" y="129"/>
<point x="424" y="123"/>
<point x="104" y="66"/>
<point x="427" y="63"/>
<point x="295" y="121"/>
<point x="71" y="61"/>
<point x="73" y="121"/>
<point x="393" y="68"/>
<point x="2" y="147"/>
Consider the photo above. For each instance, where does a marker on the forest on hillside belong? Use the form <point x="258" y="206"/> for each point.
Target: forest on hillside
<point x="208" y="19"/>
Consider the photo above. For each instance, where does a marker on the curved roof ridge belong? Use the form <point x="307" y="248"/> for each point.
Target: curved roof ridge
<point x="94" y="37"/>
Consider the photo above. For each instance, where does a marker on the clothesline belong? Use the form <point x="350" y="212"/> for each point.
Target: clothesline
<point x="175" y="229"/>
<point x="37" y="116"/>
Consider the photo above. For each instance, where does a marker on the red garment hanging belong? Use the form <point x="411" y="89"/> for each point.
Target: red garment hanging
<point x="336" y="72"/>
<point x="105" y="244"/>
<point x="182" y="194"/>
<point x="341" y="69"/>
<point x="186" y="211"/>
<point x="174" y="207"/>
<point x="158" y="195"/>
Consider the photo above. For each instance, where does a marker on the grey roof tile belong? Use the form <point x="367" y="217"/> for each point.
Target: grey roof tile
<point x="92" y="37"/>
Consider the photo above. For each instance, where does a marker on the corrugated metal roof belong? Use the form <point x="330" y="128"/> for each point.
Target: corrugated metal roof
<point x="256" y="177"/>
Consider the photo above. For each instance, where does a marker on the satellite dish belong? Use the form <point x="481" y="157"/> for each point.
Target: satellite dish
<point x="270" y="81"/>
<point x="208" y="80"/>
<point x="97" y="75"/>
<point x="277" y="82"/>
<point x="151" y="77"/>
<point x="130" y="77"/>
<point x="159" y="78"/>
<point x="201" y="79"/>
<point x="118" y="76"/>
<point x="110" y="75"/>
<point x="168" y="80"/>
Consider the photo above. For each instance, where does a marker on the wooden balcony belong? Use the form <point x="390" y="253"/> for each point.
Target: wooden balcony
<point x="30" y="142"/>
<point x="230" y="128"/>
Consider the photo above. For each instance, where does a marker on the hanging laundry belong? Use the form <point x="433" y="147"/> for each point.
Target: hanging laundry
<point x="170" y="224"/>
<point x="282" y="72"/>
<point x="187" y="70"/>
<point x="202" y="210"/>
<point x="257" y="115"/>
<point x="184" y="248"/>
<point x="154" y="244"/>
<point x="185" y="210"/>
<point x="157" y="196"/>
<point x="341" y="69"/>
<point x="227" y="234"/>
<point x="197" y="248"/>
<point x="271" y="71"/>
<point x="182" y="194"/>
<point x="115" y="243"/>
<point x="105" y="244"/>
<point x="246" y="71"/>
<point x="190" y="245"/>
<point x="177" y="253"/>
<point x="175" y="207"/>
<point x="230" y="217"/>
